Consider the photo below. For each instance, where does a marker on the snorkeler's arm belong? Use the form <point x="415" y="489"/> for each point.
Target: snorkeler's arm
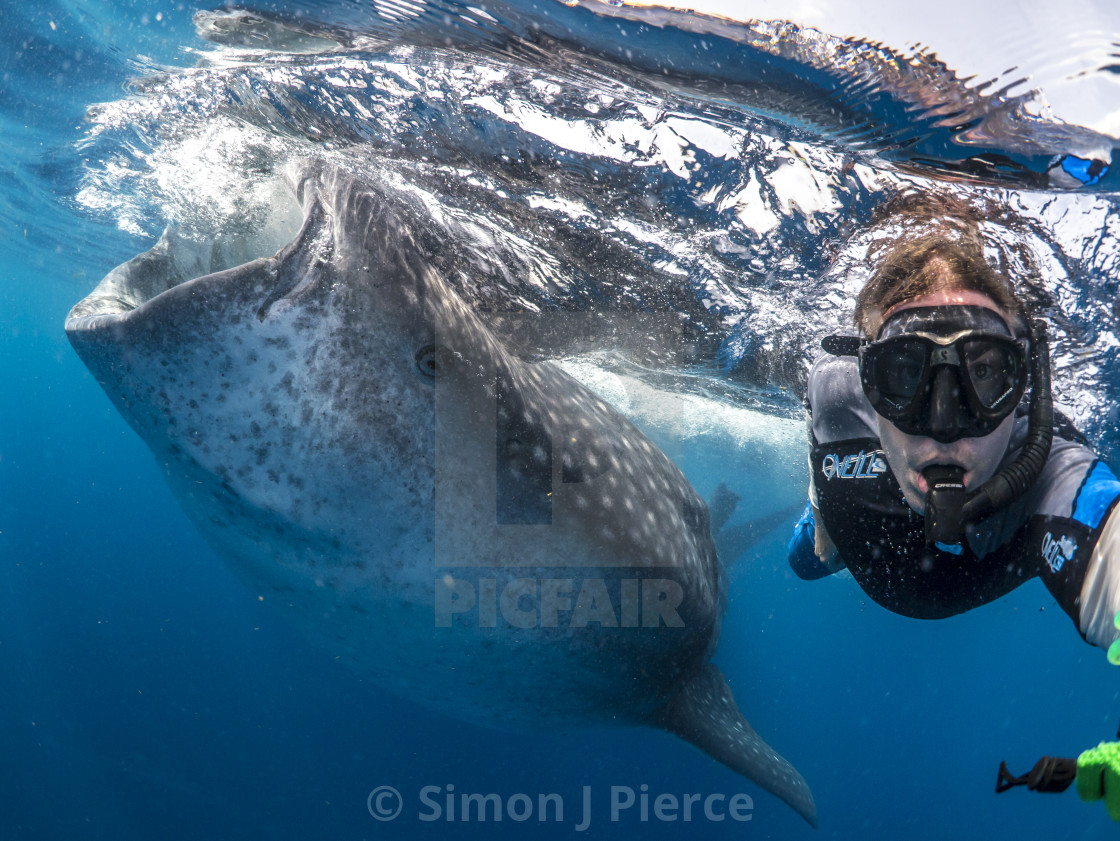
<point x="838" y="410"/>
<point x="1075" y="538"/>
<point x="1100" y="589"/>
<point x="823" y="546"/>
<point x="811" y="552"/>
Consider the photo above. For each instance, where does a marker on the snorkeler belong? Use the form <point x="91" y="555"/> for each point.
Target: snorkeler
<point x="933" y="481"/>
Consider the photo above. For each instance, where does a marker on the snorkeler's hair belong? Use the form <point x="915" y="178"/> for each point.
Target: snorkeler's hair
<point x="934" y="244"/>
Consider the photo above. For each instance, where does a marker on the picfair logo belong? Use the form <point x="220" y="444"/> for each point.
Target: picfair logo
<point x="1057" y="552"/>
<point x="857" y="466"/>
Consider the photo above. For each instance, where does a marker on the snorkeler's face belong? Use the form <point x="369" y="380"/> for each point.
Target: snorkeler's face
<point x="909" y="455"/>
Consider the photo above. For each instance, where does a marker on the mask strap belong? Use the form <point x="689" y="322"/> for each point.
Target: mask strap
<point x="842" y="345"/>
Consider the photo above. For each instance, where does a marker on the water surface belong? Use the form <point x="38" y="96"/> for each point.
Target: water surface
<point x="661" y="201"/>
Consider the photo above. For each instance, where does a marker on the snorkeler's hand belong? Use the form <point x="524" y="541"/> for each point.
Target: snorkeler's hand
<point x="823" y="547"/>
<point x="1098" y="776"/>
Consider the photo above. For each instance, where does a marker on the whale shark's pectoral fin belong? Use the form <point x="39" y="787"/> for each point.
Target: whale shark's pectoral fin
<point x="721" y="506"/>
<point x="704" y="713"/>
<point x="733" y="541"/>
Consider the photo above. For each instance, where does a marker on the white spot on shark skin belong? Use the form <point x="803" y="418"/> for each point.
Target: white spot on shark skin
<point x="325" y="466"/>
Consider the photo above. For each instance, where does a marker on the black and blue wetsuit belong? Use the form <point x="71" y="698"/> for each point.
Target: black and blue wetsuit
<point x="1063" y="530"/>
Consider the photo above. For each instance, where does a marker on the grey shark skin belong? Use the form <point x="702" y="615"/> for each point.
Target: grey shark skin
<point x="469" y="530"/>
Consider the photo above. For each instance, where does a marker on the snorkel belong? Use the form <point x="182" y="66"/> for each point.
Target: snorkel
<point x="949" y="507"/>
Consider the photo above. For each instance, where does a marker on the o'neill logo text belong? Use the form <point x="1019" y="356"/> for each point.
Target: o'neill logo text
<point x="1057" y="552"/>
<point x="861" y="466"/>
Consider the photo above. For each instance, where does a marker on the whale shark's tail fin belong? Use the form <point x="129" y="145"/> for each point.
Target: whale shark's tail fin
<point x="704" y="713"/>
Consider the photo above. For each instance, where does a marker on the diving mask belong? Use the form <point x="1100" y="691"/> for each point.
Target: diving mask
<point x="945" y="372"/>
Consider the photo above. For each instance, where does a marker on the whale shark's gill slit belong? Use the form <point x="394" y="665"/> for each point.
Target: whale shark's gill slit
<point x="523" y="462"/>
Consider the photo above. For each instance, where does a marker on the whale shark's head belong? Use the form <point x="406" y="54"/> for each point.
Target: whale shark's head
<point x="341" y="393"/>
<point x="337" y="420"/>
<point x="296" y="389"/>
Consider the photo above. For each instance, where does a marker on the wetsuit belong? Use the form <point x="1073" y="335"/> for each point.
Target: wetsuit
<point x="1063" y="529"/>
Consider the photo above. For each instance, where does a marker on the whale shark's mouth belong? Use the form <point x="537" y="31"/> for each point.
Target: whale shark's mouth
<point x="180" y="257"/>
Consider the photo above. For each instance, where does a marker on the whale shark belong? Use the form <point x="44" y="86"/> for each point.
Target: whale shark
<point x="466" y="528"/>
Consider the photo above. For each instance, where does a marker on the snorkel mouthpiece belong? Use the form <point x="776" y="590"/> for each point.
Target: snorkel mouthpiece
<point x="945" y="503"/>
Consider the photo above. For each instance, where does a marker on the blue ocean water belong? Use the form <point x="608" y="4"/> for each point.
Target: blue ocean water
<point x="145" y="693"/>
